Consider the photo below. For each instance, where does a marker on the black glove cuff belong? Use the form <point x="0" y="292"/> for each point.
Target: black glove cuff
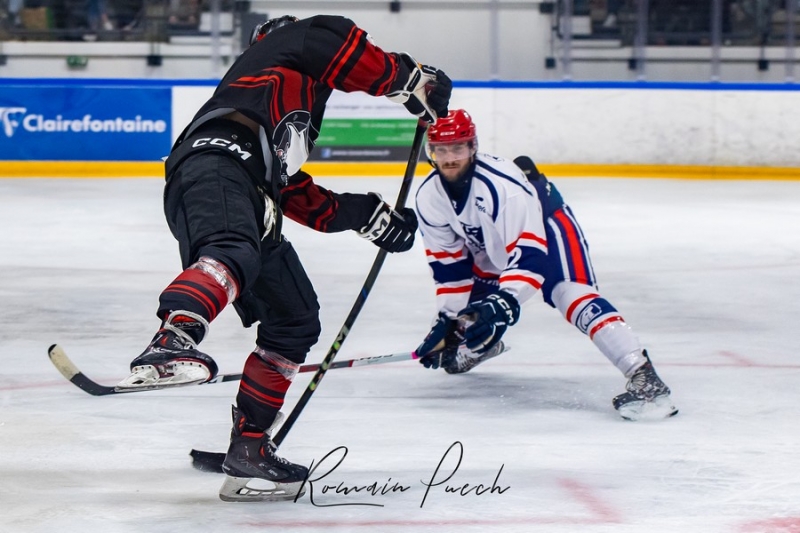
<point x="509" y="304"/>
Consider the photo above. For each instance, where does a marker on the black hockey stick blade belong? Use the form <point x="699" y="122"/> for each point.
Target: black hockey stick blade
<point x="207" y="461"/>
<point x="68" y="369"/>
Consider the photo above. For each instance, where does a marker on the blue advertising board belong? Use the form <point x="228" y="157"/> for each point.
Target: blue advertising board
<point x="84" y="123"/>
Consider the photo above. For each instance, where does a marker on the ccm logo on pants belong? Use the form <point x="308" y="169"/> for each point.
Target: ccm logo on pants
<point x="223" y="143"/>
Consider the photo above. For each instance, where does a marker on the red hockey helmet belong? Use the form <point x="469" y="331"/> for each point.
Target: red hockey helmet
<point x="456" y="128"/>
<point x="263" y="28"/>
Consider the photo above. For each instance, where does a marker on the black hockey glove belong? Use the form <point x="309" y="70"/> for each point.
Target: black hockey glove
<point x="491" y="316"/>
<point x="528" y="167"/>
<point x="426" y="93"/>
<point x="442" y="342"/>
<point x="390" y="230"/>
<point x="439" y="92"/>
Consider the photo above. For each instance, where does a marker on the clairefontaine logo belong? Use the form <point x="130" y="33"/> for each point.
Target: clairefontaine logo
<point x="7" y="119"/>
<point x="12" y="118"/>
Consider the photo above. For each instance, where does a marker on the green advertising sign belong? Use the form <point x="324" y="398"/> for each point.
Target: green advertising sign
<point x="359" y="139"/>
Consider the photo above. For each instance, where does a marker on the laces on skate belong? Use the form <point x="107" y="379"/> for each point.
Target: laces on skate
<point x="646" y="396"/>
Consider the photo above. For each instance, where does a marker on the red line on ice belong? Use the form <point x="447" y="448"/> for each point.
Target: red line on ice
<point x="591" y="499"/>
<point x="739" y="359"/>
<point x="789" y="524"/>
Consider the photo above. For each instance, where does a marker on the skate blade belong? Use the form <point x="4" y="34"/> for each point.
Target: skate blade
<point x="657" y="409"/>
<point x="236" y="489"/>
<point x="146" y="377"/>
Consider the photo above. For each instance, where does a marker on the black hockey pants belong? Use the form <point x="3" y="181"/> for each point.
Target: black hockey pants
<point x="213" y="209"/>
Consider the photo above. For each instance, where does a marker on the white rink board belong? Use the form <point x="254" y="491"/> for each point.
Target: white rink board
<point x="630" y="126"/>
<point x="604" y="125"/>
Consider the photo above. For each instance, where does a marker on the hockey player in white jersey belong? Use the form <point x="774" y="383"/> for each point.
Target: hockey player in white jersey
<point x="497" y="232"/>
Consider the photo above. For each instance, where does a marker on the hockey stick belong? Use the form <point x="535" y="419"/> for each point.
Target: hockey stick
<point x="402" y="196"/>
<point x="212" y="461"/>
<point x="68" y="369"/>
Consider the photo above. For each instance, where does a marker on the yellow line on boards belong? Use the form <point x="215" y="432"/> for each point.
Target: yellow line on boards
<point x="698" y="172"/>
<point x="80" y="169"/>
<point x="148" y="169"/>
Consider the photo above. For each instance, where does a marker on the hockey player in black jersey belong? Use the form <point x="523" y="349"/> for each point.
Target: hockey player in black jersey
<point x="231" y="175"/>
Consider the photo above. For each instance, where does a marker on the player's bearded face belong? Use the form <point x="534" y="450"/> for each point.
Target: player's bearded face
<point x="452" y="159"/>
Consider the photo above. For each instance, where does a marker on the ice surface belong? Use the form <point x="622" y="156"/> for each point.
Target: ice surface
<point x="706" y="272"/>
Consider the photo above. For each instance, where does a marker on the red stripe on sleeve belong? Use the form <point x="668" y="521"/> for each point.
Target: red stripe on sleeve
<point x="341" y="57"/>
<point x="533" y="237"/>
<point x="526" y="235"/>
<point x="481" y="274"/>
<point x="525" y="279"/>
<point x="444" y="255"/>
<point x="384" y="88"/>
<point x="453" y="290"/>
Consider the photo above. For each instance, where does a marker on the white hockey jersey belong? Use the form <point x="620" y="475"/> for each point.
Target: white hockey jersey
<point x="496" y="231"/>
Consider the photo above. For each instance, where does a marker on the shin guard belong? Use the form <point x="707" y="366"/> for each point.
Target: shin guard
<point x="593" y="315"/>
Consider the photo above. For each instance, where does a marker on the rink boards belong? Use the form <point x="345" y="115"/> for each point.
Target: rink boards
<point x="122" y="128"/>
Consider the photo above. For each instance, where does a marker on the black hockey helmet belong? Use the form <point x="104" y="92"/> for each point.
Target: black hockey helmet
<point x="263" y="28"/>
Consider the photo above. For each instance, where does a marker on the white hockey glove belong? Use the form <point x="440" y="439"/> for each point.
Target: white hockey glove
<point x="426" y="93"/>
<point x="390" y="230"/>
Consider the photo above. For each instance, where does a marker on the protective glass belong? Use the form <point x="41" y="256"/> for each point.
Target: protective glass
<point x="446" y="152"/>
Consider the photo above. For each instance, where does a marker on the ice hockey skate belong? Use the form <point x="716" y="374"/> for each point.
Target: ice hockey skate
<point x="459" y="359"/>
<point x="172" y="358"/>
<point x="647" y="397"/>
<point x="253" y="472"/>
<point x="464" y="359"/>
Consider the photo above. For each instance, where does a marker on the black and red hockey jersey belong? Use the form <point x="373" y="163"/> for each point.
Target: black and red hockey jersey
<point x="283" y="82"/>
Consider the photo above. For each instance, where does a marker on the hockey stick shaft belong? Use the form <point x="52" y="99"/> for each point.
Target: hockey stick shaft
<point x="68" y="369"/>
<point x="212" y="461"/>
<point x="372" y="360"/>
<point x="413" y="157"/>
